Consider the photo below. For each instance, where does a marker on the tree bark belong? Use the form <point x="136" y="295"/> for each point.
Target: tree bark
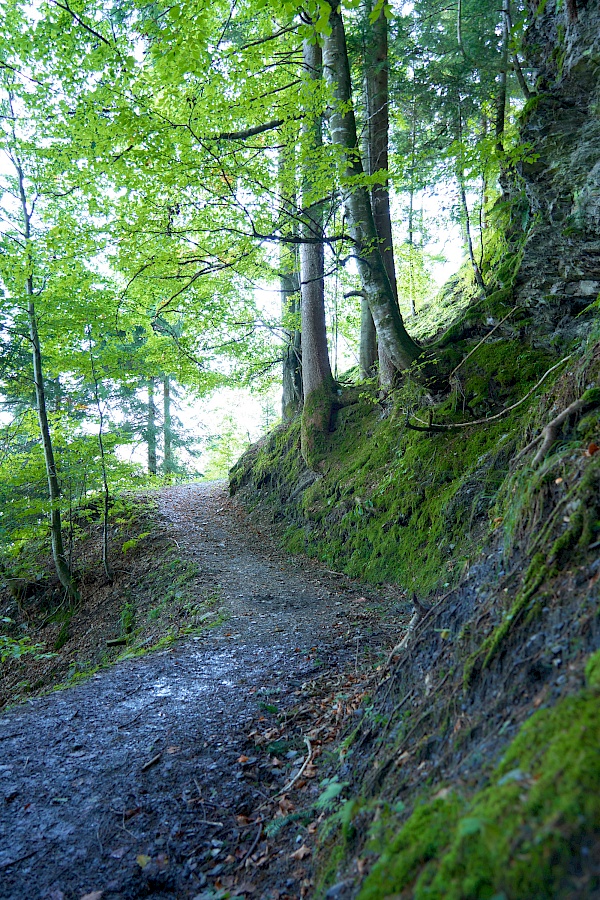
<point x="58" y="552"/>
<point x="317" y="379"/>
<point x="168" y="466"/>
<point x="377" y="77"/>
<point x="292" y="361"/>
<point x="501" y="97"/>
<point x="151" y="428"/>
<point x="379" y="293"/>
<point x="289" y="288"/>
<point x="367" y="353"/>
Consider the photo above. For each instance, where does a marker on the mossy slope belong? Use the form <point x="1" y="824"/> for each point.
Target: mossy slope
<point x="505" y="552"/>
<point x="529" y="833"/>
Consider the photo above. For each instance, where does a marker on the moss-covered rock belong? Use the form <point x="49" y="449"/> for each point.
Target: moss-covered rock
<point x="525" y="835"/>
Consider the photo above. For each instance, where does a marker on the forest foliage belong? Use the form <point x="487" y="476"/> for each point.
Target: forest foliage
<point x="154" y="188"/>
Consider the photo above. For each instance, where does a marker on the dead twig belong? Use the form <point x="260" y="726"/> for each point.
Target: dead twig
<point x="151" y="762"/>
<point x="252" y="848"/>
<point x="549" y="434"/>
<point x="300" y="771"/>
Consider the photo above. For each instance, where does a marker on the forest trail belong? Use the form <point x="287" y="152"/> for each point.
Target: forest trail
<point x="143" y="781"/>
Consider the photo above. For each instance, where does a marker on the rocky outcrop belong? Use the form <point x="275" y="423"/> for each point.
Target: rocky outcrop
<point x="560" y="273"/>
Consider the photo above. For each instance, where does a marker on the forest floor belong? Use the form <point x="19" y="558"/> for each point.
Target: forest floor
<point x="196" y="771"/>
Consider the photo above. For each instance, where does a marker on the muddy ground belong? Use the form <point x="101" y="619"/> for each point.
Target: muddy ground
<point x="193" y="772"/>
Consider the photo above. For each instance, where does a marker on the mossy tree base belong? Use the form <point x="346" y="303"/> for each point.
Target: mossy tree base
<point x="317" y="414"/>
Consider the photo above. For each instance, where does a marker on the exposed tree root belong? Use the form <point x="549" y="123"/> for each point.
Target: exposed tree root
<point x="424" y="426"/>
<point x="549" y="434"/>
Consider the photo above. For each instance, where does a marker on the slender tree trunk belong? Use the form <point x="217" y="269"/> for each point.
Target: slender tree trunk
<point x="105" y="491"/>
<point x="378" y="160"/>
<point x="460" y="177"/>
<point x="167" y="428"/>
<point x="501" y="97"/>
<point x="468" y="237"/>
<point x="291" y="401"/>
<point x="151" y="428"/>
<point x="518" y="69"/>
<point x="289" y="288"/>
<point x="411" y="205"/>
<point x="367" y="348"/>
<point x="317" y="379"/>
<point x="392" y="335"/>
<point x="459" y="31"/>
<point x="411" y="245"/>
<point x="58" y="552"/>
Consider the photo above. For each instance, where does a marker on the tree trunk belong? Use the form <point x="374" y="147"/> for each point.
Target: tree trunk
<point x="460" y="177"/>
<point x="292" y="360"/>
<point x="377" y="161"/>
<point x="379" y="293"/>
<point x="502" y="78"/>
<point x="105" y="490"/>
<point x="151" y="428"/>
<point x="468" y="238"/>
<point x="58" y="552"/>
<point x="317" y="379"/>
<point x="168" y="467"/>
<point x="367" y="353"/>
<point x="289" y="288"/>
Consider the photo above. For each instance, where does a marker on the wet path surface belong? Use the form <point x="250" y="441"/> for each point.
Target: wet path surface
<point x="140" y="781"/>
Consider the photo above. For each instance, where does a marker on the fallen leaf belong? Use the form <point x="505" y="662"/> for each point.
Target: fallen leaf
<point x="130" y="813"/>
<point x="286" y="805"/>
<point x="301" y="853"/>
<point x="143" y="860"/>
<point x="312" y="828"/>
<point x="242" y="820"/>
<point x="592" y="448"/>
<point x="310" y="771"/>
<point x="243" y="759"/>
<point x="94" y="895"/>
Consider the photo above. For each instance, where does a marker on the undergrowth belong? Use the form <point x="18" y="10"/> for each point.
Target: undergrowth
<point x="154" y="598"/>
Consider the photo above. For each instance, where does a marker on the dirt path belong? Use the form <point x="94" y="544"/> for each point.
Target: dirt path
<point x="152" y="779"/>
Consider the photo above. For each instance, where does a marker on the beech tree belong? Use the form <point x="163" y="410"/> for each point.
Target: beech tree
<point x="393" y="338"/>
<point x="318" y="385"/>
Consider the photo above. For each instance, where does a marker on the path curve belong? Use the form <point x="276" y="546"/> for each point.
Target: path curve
<point x="130" y="784"/>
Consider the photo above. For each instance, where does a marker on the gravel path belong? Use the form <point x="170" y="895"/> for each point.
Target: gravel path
<point x="130" y="785"/>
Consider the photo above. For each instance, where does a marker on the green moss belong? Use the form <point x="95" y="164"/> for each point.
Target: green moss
<point x="316" y="422"/>
<point x="516" y="837"/>
<point x="592" y="670"/>
<point x="423" y="838"/>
